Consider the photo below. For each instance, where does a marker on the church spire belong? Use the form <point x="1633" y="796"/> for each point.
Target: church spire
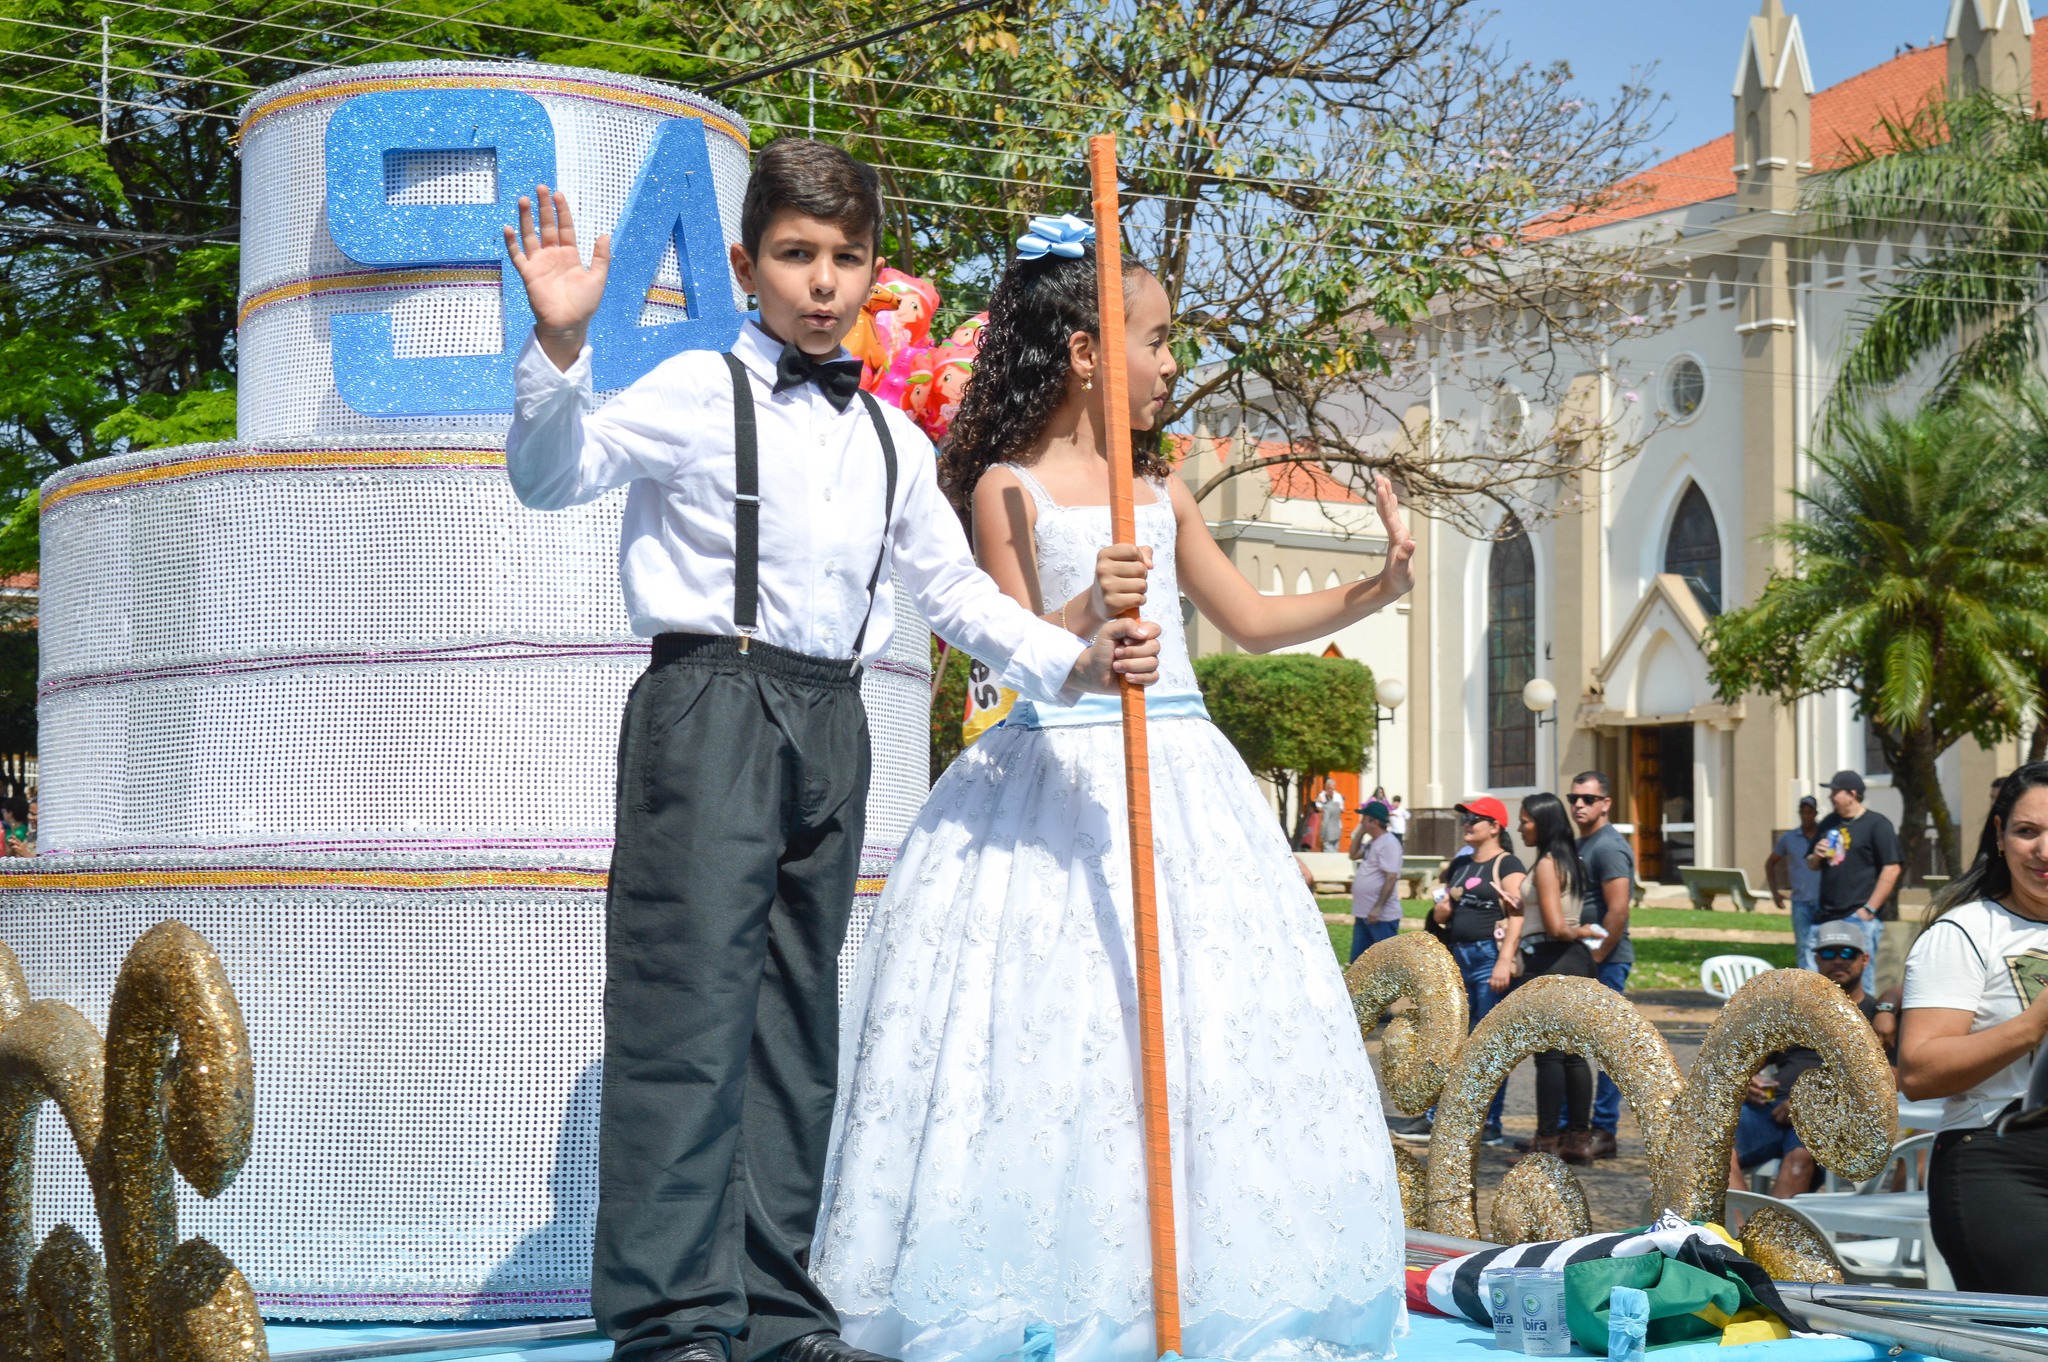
<point x="1991" y="47"/>
<point x="1773" y="111"/>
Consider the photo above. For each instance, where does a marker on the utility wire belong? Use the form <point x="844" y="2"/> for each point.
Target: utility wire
<point x="1595" y="215"/>
<point x="864" y="40"/>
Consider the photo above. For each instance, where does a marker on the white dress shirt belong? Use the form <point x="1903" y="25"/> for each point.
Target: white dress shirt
<point x="822" y="489"/>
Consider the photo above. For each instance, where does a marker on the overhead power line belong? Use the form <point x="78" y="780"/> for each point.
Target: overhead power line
<point x="863" y="40"/>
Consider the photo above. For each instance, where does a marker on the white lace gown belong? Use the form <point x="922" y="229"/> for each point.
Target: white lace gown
<point x="987" y="1168"/>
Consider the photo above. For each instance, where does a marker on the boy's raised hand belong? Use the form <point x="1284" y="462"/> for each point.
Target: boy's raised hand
<point x="1124" y="650"/>
<point x="1399" y="573"/>
<point x="561" y="289"/>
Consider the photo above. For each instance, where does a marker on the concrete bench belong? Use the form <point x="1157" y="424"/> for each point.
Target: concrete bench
<point x="1332" y="870"/>
<point x="1418" y="873"/>
<point x="1702" y="883"/>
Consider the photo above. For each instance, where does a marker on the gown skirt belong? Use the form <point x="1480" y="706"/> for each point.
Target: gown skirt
<point x="987" y="1168"/>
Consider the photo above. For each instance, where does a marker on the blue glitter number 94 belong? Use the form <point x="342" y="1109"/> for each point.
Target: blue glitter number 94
<point x="372" y="230"/>
<point x="672" y="200"/>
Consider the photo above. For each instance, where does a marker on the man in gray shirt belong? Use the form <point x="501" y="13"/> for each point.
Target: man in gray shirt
<point x="1606" y="884"/>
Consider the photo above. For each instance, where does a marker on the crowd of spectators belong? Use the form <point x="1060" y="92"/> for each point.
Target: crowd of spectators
<point x="1564" y="911"/>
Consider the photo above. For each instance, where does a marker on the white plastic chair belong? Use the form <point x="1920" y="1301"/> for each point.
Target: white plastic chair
<point x="1867" y="1261"/>
<point x="1721" y="975"/>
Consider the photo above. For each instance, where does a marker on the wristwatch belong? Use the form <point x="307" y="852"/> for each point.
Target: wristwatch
<point x="1887" y="1007"/>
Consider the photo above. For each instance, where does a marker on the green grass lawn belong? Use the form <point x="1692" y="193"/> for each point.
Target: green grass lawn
<point x="1660" y="963"/>
<point x="1682" y="918"/>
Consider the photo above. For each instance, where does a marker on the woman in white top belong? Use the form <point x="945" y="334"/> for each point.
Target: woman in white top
<point x="1976" y="1016"/>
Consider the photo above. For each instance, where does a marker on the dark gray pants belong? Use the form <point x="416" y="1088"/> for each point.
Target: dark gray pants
<point x="742" y="798"/>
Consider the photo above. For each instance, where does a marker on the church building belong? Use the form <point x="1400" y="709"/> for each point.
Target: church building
<point x="1606" y="594"/>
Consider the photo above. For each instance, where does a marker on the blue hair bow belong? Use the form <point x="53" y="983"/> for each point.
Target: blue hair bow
<point x="1065" y="235"/>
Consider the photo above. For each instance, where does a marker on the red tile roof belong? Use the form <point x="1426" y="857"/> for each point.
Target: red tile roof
<point x="1307" y="482"/>
<point x="1842" y="114"/>
<point x="1296" y="481"/>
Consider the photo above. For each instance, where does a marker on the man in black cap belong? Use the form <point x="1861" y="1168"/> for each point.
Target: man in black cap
<point x="1856" y="851"/>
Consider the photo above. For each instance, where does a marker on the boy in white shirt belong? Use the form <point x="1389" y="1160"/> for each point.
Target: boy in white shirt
<point x="766" y="511"/>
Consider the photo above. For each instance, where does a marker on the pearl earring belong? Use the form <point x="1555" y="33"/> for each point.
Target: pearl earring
<point x="1087" y="385"/>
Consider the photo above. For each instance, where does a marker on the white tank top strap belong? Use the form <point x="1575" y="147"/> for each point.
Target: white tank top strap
<point x="1032" y="485"/>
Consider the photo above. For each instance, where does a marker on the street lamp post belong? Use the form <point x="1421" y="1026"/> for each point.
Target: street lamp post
<point x="1539" y="697"/>
<point x="1390" y="693"/>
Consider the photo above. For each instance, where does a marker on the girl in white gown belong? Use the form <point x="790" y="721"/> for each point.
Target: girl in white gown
<point x="987" y="1168"/>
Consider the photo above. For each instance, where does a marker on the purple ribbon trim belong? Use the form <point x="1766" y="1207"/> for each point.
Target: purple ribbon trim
<point x="391" y="844"/>
<point x="496" y="650"/>
<point x="279" y="1302"/>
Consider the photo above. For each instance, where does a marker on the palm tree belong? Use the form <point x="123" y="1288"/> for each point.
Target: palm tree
<point x="2016" y="419"/>
<point x="1919" y="581"/>
<point x="1973" y="172"/>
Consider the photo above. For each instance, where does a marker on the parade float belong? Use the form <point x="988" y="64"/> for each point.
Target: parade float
<point x="331" y="698"/>
<point x="311" y="972"/>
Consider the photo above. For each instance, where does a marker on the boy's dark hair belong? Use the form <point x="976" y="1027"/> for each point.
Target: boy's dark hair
<point x="816" y="179"/>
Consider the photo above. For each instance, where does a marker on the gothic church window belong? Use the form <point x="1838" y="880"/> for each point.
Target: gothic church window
<point x="1694" y="549"/>
<point x="1510" y="659"/>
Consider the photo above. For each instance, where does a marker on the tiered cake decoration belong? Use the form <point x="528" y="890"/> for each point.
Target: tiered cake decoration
<point x="331" y="697"/>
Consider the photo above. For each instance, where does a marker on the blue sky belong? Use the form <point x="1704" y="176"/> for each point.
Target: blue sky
<point x="1694" y="44"/>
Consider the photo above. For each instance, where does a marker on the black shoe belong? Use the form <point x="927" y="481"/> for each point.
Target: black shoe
<point x="702" y="1350"/>
<point x="1416" y="1128"/>
<point x="826" y="1347"/>
<point x="1493" y="1137"/>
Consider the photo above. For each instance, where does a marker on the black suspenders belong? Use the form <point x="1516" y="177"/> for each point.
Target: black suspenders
<point x="746" y="448"/>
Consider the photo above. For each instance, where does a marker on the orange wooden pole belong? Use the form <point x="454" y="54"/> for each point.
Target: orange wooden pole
<point x="1123" y="517"/>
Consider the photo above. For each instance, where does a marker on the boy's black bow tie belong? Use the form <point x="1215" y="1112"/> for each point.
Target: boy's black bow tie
<point x="837" y="379"/>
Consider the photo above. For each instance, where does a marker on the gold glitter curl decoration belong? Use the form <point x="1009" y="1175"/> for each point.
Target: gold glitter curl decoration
<point x="1551" y="1012"/>
<point x="1787" y="1249"/>
<point x="172" y="1089"/>
<point x="1421" y="1045"/>
<point x="1846" y="1110"/>
<point x="1411" y="1175"/>
<point x="1539" y="1200"/>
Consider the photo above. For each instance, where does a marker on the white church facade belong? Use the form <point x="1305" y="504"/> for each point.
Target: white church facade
<point x="1606" y="593"/>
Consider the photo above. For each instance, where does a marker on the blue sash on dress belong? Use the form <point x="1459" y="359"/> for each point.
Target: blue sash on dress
<point x="1106" y="709"/>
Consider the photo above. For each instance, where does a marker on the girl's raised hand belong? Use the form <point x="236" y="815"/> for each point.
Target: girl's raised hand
<point x="1399" y="572"/>
<point x="1120" y="573"/>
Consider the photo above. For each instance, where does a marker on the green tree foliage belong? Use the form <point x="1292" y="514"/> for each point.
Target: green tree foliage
<point x="1919" y="581"/>
<point x="1973" y="173"/>
<point x="1290" y="714"/>
<point x="118" y="262"/>
<point x="949" y="707"/>
<point x="1294" y="172"/>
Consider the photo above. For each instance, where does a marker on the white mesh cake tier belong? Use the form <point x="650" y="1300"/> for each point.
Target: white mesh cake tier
<point x="426" y="1034"/>
<point x="442" y="294"/>
<point x="357" y="645"/>
<point x="352" y="644"/>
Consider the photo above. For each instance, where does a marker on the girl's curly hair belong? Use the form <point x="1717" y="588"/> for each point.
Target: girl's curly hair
<point x="1020" y="376"/>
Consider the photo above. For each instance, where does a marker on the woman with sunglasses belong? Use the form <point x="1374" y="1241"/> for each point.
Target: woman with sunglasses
<point x="1474" y="912"/>
<point x="1553" y="943"/>
<point x="1973" y="1031"/>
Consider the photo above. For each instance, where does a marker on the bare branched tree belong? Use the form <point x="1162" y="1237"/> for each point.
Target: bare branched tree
<point x="1311" y="180"/>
